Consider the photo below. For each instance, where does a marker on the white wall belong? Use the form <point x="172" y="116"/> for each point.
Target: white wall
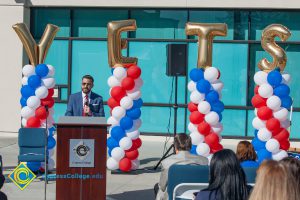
<point x="11" y="55"/>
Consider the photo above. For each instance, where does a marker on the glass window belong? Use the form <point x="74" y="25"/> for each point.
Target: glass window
<point x="231" y="60"/>
<point x="164" y="24"/>
<point x="295" y="126"/>
<point x="59" y="110"/>
<point x="93" y="23"/>
<point x="64" y="94"/>
<point x="58" y="17"/>
<point x="237" y="22"/>
<point x="233" y="122"/>
<point x="251" y="129"/>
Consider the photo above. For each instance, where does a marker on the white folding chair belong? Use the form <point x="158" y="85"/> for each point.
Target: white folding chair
<point x="186" y="190"/>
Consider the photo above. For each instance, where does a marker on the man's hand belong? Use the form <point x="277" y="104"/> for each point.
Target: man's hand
<point x="87" y="110"/>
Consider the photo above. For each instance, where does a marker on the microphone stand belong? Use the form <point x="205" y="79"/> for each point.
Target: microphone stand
<point x="46" y="146"/>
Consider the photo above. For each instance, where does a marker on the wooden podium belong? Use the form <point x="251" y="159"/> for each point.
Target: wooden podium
<point x="81" y="158"/>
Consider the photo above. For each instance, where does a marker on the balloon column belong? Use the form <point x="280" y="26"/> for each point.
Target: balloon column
<point x="205" y="86"/>
<point x="125" y="102"/>
<point x="271" y="99"/>
<point x="38" y="87"/>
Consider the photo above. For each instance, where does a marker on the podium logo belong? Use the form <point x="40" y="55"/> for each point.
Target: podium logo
<point x="22" y="176"/>
<point x="81" y="150"/>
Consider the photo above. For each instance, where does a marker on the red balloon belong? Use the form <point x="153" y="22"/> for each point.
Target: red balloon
<point x="275" y="132"/>
<point x="283" y="135"/>
<point x="33" y="122"/>
<point x="196" y="117"/>
<point x="137" y="143"/>
<point x="50" y="92"/>
<point x="128" y="65"/>
<point x="217" y="147"/>
<point x="285" y="145"/>
<point x="257" y="101"/>
<point x="112" y="103"/>
<point x="273" y="124"/>
<point x="134" y="72"/>
<point x="41" y="113"/>
<point x="264" y="113"/>
<point x="204" y="128"/>
<point x="125" y="165"/>
<point x="212" y="139"/>
<point x="192" y="107"/>
<point x="219" y="74"/>
<point x="128" y="83"/>
<point x="256" y="89"/>
<point x="132" y="155"/>
<point x="118" y="93"/>
<point x="47" y="102"/>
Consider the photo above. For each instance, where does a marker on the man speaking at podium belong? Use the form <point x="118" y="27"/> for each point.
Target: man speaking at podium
<point x="86" y="102"/>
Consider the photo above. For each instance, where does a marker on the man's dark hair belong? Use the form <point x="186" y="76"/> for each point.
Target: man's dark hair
<point x="182" y="142"/>
<point x="88" y="77"/>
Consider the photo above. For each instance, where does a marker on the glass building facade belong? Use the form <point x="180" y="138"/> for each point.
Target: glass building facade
<point x="81" y="48"/>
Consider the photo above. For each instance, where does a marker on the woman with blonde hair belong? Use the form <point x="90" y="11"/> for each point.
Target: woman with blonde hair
<point x="274" y="182"/>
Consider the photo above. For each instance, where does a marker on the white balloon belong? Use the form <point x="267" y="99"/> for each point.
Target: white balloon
<point x="281" y="114"/>
<point x="125" y="143"/>
<point x="209" y="157"/>
<point x="41" y="92"/>
<point x="51" y="70"/>
<point x="196" y="138"/>
<point x="265" y="90"/>
<point x="197" y="97"/>
<point x="133" y="134"/>
<point x="280" y="155"/>
<point x="112" y="164"/>
<point x="48" y="82"/>
<point x="258" y="123"/>
<point x="286" y="78"/>
<point x="51" y="152"/>
<point x="33" y="102"/>
<point x="203" y="149"/>
<point x="134" y="94"/>
<point x="120" y="73"/>
<point x="217" y="85"/>
<point x="25" y="80"/>
<point x="117" y="153"/>
<point x="285" y="124"/>
<point x="126" y="102"/>
<point x="264" y="134"/>
<point x="28" y="70"/>
<point x="273" y="146"/>
<point x="191" y="86"/>
<point x="27" y="112"/>
<point x="192" y="127"/>
<point x="113" y="81"/>
<point x="118" y="112"/>
<point x="137" y="123"/>
<point x="212" y="118"/>
<point x="24" y="122"/>
<point x="113" y="121"/>
<point x="138" y="82"/>
<point x="51" y="164"/>
<point x="204" y="107"/>
<point x="135" y="164"/>
<point x="260" y="77"/>
<point x="274" y="102"/>
<point x="211" y="74"/>
<point x="217" y="128"/>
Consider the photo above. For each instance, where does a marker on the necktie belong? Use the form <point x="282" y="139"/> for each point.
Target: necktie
<point x="86" y="103"/>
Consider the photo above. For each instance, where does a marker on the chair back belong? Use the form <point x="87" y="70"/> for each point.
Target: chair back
<point x="186" y="174"/>
<point x="32" y="143"/>
<point x="250" y="173"/>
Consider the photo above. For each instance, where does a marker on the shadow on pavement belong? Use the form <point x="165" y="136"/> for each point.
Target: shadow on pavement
<point x="131" y="195"/>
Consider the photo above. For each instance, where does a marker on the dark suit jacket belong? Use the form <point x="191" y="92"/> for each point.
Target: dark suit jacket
<point x="208" y="194"/>
<point x="75" y="105"/>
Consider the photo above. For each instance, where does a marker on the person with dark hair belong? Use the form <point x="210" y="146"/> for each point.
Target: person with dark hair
<point x="86" y="102"/>
<point x="227" y="179"/>
<point x="293" y="167"/>
<point x="183" y="145"/>
<point x="246" y="154"/>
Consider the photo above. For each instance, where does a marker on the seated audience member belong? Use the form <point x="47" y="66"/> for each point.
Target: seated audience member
<point x="274" y="182"/>
<point x="227" y="179"/>
<point x="183" y="145"/>
<point x="2" y="180"/>
<point x="293" y="167"/>
<point x="246" y="154"/>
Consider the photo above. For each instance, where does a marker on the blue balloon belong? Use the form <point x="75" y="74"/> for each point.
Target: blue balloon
<point x="282" y="90"/>
<point x="263" y="154"/>
<point x="137" y="103"/>
<point x="27" y="91"/>
<point x="203" y="86"/>
<point x="126" y="123"/>
<point x="217" y="106"/>
<point x="193" y="149"/>
<point x="51" y="142"/>
<point x="286" y="102"/>
<point x="112" y="143"/>
<point x="212" y="96"/>
<point x="255" y="133"/>
<point x="23" y="102"/>
<point x="117" y="133"/>
<point x="274" y="78"/>
<point x="42" y="70"/>
<point x="258" y="144"/>
<point x="134" y="113"/>
<point x="112" y="70"/>
<point x="109" y="152"/>
<point x="196" y="74"/>
<point x="33" y="166"/>
<point x="220" y="117"/>
<point x="34" y="81"/>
